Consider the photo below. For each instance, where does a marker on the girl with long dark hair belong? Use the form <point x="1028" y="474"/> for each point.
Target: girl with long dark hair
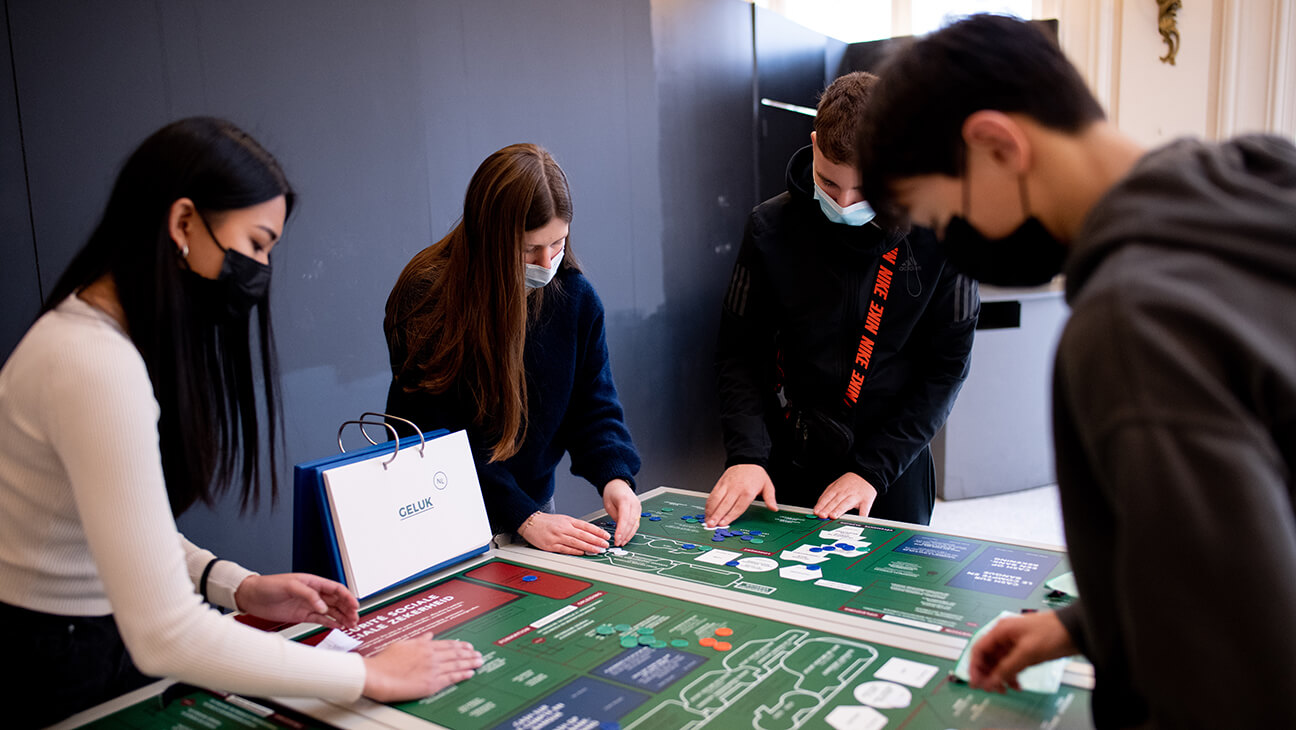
<point x="134" y="396"/>
<point x="494" y="329"/>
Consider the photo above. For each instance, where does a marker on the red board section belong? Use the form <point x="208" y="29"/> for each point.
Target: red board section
<point x="545" y="584"/>
<point x="437" y="609"/>
<point x="264" y="624"/>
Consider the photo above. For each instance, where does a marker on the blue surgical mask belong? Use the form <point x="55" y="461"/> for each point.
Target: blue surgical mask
<point x="538" y="276"/>
<point x="853" y="215"/>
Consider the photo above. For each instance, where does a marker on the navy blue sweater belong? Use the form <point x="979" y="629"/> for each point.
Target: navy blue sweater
<point x="572" y="406"/>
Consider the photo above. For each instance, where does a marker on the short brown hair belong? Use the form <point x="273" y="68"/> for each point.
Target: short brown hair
<point x="839" y="115"/>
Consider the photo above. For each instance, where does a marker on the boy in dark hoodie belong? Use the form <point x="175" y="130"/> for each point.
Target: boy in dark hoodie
<point x="842" y="343"/>
<point x="1175" y="381"/>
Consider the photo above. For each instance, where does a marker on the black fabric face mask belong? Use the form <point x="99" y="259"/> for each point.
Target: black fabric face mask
<point x="242" y="283"/>
<point x="1029" y="256"/>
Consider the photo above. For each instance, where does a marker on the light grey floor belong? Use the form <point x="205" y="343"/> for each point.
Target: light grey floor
<point x="1032" y="515"/>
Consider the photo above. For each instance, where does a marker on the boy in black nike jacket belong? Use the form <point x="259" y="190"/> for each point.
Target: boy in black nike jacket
<point x="842" y="344"/>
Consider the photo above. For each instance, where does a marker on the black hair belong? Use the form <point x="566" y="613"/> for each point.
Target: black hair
<point x="914" y="122"/>
<point x="199" y="362"/>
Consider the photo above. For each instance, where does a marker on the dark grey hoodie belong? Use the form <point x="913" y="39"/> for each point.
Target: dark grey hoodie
<point x="1175" y="431"/>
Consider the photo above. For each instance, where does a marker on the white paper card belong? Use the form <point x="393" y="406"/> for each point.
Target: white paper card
<point x="904" y="671"/>
<point x="717" y="557"/>
<point x="799" y="572"/>
<point x="855" y="717"/>
<point x="335" y="640"/>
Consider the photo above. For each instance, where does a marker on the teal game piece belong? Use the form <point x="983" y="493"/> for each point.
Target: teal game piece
<point x="629" y="642"/>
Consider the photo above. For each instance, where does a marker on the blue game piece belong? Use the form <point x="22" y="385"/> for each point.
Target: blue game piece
<point x="717" y="538"/>
<point x="746" y="538"/>
<point x="688" y="546"/>
<point x="812" y="567"/>
<point x="732" y="563"/>
<point x="846" y="548"/>
<point x="528" y="578"/>
<point x="756" y="533"/>
<point x="654" y="519"/>
<point x="645" y="514"/>
<point x="828" y="548"/>
<point x="816" y="550"/>
<point x="687" y="518"/>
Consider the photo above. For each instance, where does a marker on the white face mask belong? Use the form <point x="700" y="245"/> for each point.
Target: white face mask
<point x="538" y="276"/>
<point x="853" y="215"/>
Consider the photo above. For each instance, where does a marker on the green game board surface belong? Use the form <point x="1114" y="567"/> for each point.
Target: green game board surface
<point x="919" y="578"/>
<point x="564" y="651"/>
<point x="183" y="706"/>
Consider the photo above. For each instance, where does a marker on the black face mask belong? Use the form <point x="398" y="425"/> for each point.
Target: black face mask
<point x="1029" y="256"/>
<point x="242" y="282"/>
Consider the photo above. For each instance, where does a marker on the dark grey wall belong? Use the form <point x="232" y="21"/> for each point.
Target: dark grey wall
<point x="18" y="276"/>
<point x="789" y="68"/>
<point x="380" y="112"/>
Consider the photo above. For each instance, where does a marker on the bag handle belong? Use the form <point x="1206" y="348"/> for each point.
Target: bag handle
<point x="412" y="425"/>
<point x="362" y="423"/>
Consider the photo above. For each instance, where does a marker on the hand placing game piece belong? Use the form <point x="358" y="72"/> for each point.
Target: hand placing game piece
<point x="734" y="492"/>
<point x="296" y="597"/>
<point x="418" y="667"/>
<point x="1014" y="644"/>
<point x="622" y="505"/>
<point x="850" y="491"/>
<point x="563" y="534"/>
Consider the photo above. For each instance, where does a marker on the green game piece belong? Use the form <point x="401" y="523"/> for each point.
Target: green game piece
<point x="646" y="641"/>
<point x="606" y="629"/>
<point x="703" y="548"/>
<point x="629" y="642"/>
<point x="679" y="642"/>
<point x="623" y="627"/>
<point x="645" y="631"/>
<point x="659" y="644"/>
<point x="690" y="520"/>
<point x="666" y="509"/>
<point x="757" y="541"/>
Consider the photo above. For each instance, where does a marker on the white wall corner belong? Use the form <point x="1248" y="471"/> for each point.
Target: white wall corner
<point x="1281" y="108"/>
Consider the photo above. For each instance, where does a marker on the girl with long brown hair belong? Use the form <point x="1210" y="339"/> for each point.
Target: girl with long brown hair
<point x="494" y="329"/>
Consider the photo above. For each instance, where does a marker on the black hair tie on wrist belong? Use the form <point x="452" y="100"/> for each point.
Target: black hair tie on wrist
<point x="202" y="582"/>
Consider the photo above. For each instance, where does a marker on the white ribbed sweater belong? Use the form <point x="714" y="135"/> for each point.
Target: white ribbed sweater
<point x="86" y="526"/>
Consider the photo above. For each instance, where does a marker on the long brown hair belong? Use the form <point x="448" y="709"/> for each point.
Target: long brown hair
<point x="458" y="315"/>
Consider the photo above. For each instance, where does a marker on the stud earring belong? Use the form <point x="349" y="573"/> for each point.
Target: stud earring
<point x="184" y="250"/>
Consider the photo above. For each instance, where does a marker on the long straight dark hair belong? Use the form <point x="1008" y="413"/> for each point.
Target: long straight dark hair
<point x="200" y="363"/>
<point x="458" y="315"/>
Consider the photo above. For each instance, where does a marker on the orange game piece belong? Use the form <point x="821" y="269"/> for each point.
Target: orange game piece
<point x="724" y="631"/>
<point x="708" y="641"/>
<point x="723" y="646"/>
